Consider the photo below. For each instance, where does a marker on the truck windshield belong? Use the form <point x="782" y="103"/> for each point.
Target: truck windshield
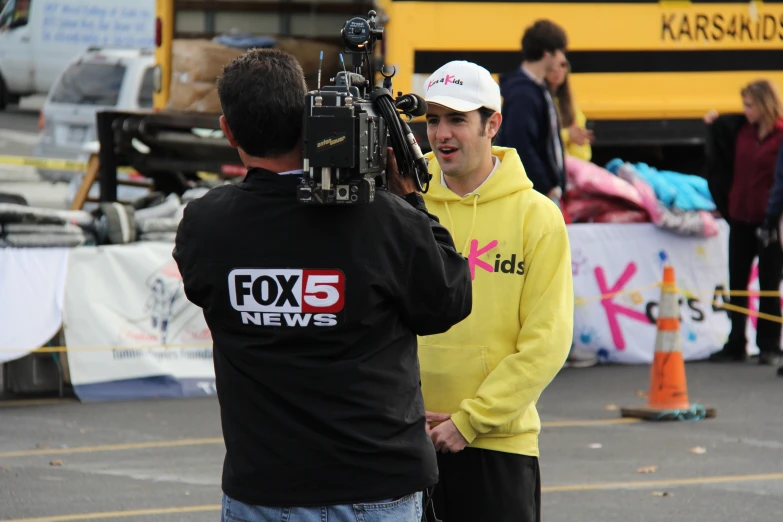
<point x="7" y="13"/>
<point x="90" y="84"/>
<point x="15" y="14"/>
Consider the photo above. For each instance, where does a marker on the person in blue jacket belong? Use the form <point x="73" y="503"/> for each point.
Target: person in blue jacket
<point x="530" y="122"/>
<point x="775" y="202"/>
<point x="774" y="212"/>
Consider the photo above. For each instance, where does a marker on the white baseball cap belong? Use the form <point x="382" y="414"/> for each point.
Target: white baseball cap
<point x="462" y="86"/>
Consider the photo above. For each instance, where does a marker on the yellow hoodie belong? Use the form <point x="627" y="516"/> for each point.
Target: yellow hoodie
<point x="585" y="151"/>
<point x="489" y="370"/>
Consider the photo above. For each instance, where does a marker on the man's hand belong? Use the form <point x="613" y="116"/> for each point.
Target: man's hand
<point x="397" y="184"/>
<point x="447" y="438"/>
<point x="433" y="419"/>
<point x="710" y="117"/>
<point x="580" y="136"/>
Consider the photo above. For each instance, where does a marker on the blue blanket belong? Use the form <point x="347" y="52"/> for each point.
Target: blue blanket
<point x="674" y="189"/>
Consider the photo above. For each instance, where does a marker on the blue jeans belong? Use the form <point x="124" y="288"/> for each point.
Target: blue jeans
<point x="406" y="509"/>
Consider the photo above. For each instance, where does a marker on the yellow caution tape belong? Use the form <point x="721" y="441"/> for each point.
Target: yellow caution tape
<point x="74" y="166"/>
<point x="631" y="291"/>
<point x="51" y="164"/>
<point x="43" y="163"/>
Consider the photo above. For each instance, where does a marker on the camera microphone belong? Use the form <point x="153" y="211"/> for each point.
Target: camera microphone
<point x="411" y="104"/>
<point x="320" y="66"/>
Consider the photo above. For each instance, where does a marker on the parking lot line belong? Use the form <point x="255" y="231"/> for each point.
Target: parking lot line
<point x="120" y="514"/>
<point x="219" y="440"/>
<point x="113" y="447"/>
<point x="588" y="422"/>
<point x="696" y="481"/>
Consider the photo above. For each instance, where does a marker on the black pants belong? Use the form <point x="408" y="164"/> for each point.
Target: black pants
<point x="743" y="249"/>
<point x="479" y="485"/>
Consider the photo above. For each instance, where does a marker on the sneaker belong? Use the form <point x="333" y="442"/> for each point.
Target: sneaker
<point x="580" y="358"/>
<point x="780" y="371"/>
<point x="728" y="354"/>
<point x="768" y="359"/>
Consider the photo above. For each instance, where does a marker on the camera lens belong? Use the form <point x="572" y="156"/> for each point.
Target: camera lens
<point x="356" y="32"/>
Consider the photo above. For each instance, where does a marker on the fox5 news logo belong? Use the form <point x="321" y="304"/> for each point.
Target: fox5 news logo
<point x="287" y="297"/>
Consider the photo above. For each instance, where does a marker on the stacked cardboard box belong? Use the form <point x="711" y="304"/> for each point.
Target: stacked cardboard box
<point x="196" y="65"/>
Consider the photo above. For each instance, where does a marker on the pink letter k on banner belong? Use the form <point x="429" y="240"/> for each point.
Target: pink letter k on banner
<point x="613" y="309"/>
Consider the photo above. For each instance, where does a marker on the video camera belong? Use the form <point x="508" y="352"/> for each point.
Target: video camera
<point x="347" y="127"/>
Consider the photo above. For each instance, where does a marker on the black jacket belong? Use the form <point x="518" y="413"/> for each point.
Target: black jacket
<point x="719" y="151"/>
<point x="314" y="313"/>
<point x="527" y="128"/>
<point x="775" y="204"/>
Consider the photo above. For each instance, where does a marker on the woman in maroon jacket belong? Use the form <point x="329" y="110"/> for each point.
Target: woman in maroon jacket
<point x="755" y="150"/>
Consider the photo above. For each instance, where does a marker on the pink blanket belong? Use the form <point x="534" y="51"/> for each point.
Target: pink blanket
<point x="589" y="178"/>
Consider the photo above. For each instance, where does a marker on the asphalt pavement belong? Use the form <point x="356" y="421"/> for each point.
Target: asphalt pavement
<point x="22" y="117"/>
<point x="161" y="460"/>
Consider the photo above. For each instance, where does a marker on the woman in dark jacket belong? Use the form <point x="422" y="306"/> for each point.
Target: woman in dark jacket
<point x="742" y="155"/>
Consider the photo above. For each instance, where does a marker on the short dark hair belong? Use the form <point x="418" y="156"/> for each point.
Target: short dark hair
<point x="542" y="36"/>
<point x="262" y="93"/>
<point x="485" y="114"/>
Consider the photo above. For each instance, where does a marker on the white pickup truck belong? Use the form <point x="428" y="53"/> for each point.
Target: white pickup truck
<point x="38" y="38"/>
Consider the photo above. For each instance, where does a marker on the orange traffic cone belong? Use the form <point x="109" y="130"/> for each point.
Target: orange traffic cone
<point x="668" y="395"/>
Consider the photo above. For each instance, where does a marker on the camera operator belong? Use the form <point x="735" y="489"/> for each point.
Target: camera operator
<point x="314" y="312"/>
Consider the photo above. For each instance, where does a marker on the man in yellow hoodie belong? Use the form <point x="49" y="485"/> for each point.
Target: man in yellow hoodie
<point x="488" y="371"/>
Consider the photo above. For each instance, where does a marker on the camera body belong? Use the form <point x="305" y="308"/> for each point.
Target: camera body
<point x="345" y="142"/>
<point x="348" y="125"/>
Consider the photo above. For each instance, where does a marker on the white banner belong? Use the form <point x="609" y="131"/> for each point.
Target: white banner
<point x="32" y="281"/>
<point x="623" y="263"/>
<point x="130" y="330"/>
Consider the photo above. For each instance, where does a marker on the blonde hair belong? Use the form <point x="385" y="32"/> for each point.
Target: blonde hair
<point x="767" y="97"/>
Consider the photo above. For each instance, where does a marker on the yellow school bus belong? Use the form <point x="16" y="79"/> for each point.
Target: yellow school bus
<point x="165" y="25"/>
<point x="643" y="72"/>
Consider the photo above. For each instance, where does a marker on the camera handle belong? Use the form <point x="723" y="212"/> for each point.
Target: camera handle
<point x="410" y="159"/>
